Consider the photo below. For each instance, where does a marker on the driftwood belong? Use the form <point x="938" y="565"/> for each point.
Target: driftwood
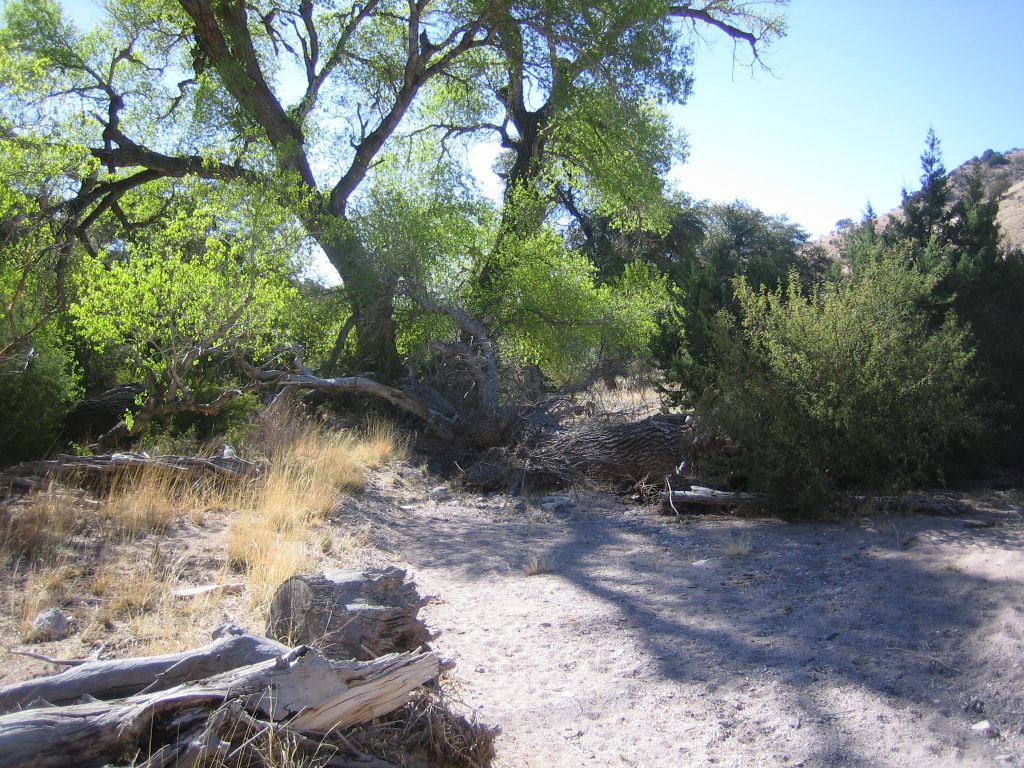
<point x="299" y="690"/>
<point x="349" y="614"/>
<point x="676" y="501"/>
<point x="115" y="678"/>
<point x="36" y="474"/>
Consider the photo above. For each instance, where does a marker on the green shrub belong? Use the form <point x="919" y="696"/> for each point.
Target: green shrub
<point x="849" y="386"/>
<point x="35" y="388"/>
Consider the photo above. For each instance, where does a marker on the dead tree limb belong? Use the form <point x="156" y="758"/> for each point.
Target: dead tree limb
<point x="300" y="689"/>
<point x="34" y="474"/>
<point x="699" y="498"/>
<point x="115" y="678"/>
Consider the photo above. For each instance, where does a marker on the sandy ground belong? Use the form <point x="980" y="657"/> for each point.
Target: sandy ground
<point x="654" y="641"/>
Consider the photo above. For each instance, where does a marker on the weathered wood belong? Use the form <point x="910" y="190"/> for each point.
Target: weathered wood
<point x="705" y="498"/>
<point x="650" y="448"/>
<point x="115" y="678"/>
<point x="101" y="467"/>
<point x="300" y="689"/>
<point x="349" y="614"/>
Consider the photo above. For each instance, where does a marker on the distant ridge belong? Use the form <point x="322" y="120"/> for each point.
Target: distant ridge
<point x="1002" y="174"/>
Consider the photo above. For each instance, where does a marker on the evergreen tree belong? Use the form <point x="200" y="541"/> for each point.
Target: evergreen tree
<point x="925" y="210"/>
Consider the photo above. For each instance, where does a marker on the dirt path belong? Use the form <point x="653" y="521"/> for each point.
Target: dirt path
<point x="648" y="641"/>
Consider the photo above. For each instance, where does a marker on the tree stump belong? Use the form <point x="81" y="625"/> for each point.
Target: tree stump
<point x="349" y="614"/>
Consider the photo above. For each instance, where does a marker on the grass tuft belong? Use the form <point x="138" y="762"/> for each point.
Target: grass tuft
<point x="737" y="545"/>
<point x="310" y="467"/>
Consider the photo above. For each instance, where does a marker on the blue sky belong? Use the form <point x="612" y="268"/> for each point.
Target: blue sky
<point x="855" y="86"/>
<point x="842" y="117"/>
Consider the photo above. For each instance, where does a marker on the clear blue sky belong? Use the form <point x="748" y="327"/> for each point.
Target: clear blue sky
<point x="856" y="85"/>
<point x="841" y="120"/>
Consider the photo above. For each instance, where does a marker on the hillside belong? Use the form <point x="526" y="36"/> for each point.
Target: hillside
<point x="1003" y="176"/>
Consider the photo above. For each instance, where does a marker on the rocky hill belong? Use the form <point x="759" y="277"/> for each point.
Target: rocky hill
<point x="1003" y="176"/>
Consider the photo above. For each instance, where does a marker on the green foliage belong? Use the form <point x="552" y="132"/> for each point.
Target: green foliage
<point x="211" y="278"/>
<point x="956" y="236"/>
<point x="848" y="386"/>
<point x="730" y="241"/>
<point x="36" y="386"/>
<point x="617" y="153"/>
<point x="555" y="314"/>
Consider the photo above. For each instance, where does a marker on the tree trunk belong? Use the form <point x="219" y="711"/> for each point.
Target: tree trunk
<point x="299" y="689"/>
<point x="349" y="614"/>
<point x="370" y="293"/>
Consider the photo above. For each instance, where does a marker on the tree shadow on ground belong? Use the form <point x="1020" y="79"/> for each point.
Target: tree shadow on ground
<point x="876" y="605"/>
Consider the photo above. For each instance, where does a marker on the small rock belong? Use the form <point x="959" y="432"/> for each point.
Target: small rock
<point x="553" y="502"/>
<point x="986" y="729"/>
<point x="519" y="506"/>
<point x="51" y="624"/>
<point x="439" y="493"/>
<point x="830" y="636"/>
<point x="975" y="705"/>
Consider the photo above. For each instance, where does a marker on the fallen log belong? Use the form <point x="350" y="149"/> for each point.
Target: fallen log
<point x="349" y="614"/>
<point x="300" y="689"/>
<point x="704" y="498"/>
<point x="116" y="678"/>
<point x="37" y="474"/>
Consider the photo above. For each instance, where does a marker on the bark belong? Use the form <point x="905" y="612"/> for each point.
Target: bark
<point x="299" y="689"/>
<point x="349" y="614"/>
<point x="116" y="678"/>
<point x="547" y="457"/>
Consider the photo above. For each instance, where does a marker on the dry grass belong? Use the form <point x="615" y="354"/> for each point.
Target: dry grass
<point x="114" y="564"/>
<point x="35" y="527"/>
<point x="269" y="538"/>
<point x="538" y="565"/>
<point x="737" y="545"/>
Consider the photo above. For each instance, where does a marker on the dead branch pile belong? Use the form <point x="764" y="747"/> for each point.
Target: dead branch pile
<point x="634" y="452"/>
<point x="243" y="700"/>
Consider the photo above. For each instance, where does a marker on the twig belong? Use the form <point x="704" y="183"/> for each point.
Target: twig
<point x="49" y="659"/>
<point x="924" y="656"/>
<point x="671" y="503"/>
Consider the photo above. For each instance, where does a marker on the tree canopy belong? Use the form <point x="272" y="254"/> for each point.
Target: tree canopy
<point x="305" y="99"/>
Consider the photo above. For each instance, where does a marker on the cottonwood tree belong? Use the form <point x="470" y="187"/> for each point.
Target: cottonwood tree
<point x="303" y="98"/>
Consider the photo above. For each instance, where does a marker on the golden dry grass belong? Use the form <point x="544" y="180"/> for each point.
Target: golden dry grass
<point x="115" y="564"/>
<point x="269" y="537"/>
